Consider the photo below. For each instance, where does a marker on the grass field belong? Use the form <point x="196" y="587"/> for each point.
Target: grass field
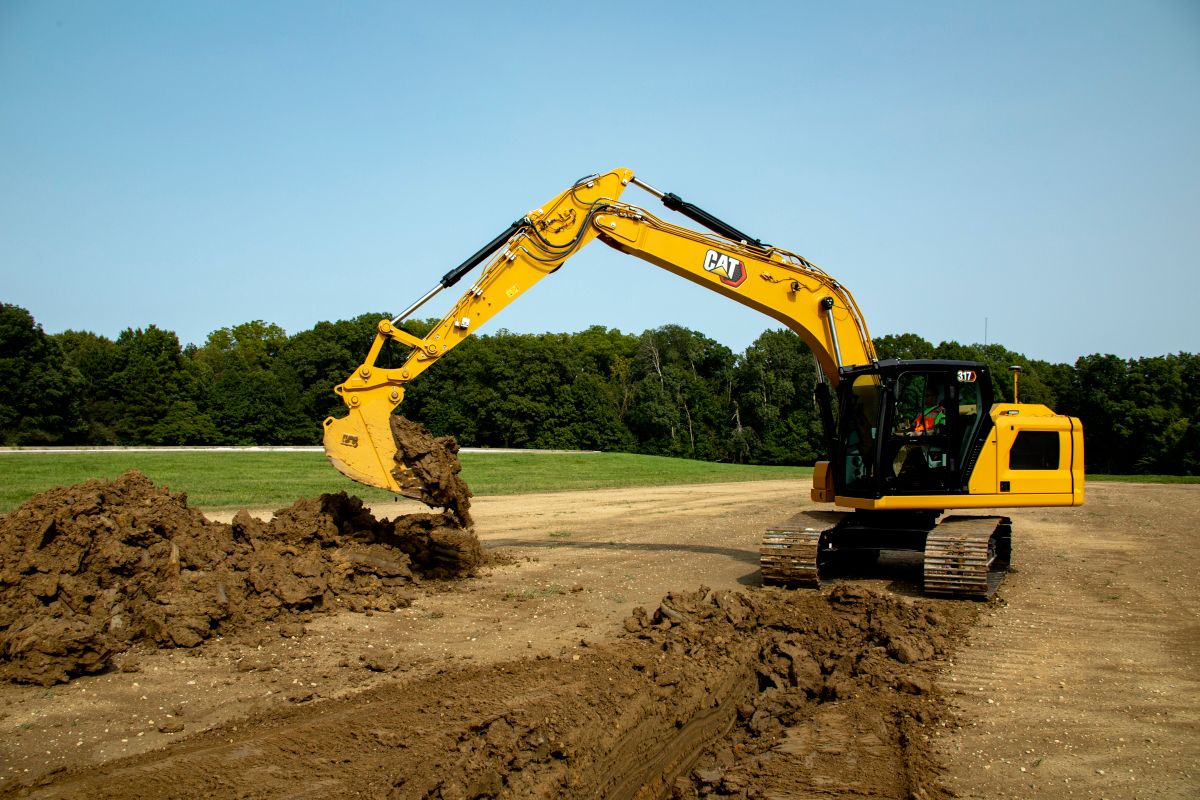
<point x="222" y="480"/>
<point x="1145" y="478"/>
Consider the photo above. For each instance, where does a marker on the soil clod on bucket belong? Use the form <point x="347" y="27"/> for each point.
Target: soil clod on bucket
<point x="427" y="468"/>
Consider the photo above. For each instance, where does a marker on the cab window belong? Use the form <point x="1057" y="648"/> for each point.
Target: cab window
<point x="920" y="405"/>
<point x="1034" y="450"/>
<point x="860" y="418"/>
<point x="917" y="451"/>
<point x="968" y="410"/>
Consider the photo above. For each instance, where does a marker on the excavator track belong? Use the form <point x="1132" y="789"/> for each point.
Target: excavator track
<point x="967" y="556"/>
<point x="790" y="554"/>
<point x="964" y="557"/>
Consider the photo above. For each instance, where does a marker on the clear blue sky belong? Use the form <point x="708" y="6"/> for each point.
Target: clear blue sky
<point x="199" y="164"/>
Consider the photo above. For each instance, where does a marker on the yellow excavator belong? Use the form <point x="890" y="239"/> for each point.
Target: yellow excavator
<point x="908" y="440"/>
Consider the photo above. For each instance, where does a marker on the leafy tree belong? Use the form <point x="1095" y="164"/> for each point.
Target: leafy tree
<point x="669" y="391"/>
<point x="510" y="390"/>
<point x="683" y="395"/>
<point x="321" y="358"/>
<point x="904" y="346"/>
<point x="39" y="392"/>
<point x="184" y="423"/>
<point x="1139" y="415"/>
<point x="252" y="397"/>
<point x="150" y="375"/>
<point x="94" y="359"/>
<point x="774" y="400"/>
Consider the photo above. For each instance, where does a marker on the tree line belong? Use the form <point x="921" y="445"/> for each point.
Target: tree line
<point x="667" y="391"/>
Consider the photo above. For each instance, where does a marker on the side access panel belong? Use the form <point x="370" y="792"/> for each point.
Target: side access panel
<point x="1031" y="455"/>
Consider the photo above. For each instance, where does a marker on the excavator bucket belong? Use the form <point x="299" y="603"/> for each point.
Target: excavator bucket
<point x="362" y="447"/>
<point x="376" y="447"/>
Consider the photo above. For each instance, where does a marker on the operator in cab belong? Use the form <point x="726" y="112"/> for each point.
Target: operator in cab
<point x="933" y="414"/>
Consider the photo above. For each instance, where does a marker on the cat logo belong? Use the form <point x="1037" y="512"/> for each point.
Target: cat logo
<point x="731" y="270"/>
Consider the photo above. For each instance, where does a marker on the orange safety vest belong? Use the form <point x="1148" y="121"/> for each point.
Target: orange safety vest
<point x="933" y="417"/>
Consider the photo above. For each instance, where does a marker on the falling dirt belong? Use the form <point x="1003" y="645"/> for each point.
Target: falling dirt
<point x="88" y="570"/>
<point x="427" y="468"/>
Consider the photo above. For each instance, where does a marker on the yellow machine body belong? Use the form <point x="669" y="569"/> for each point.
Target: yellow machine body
<point x="772" y="280"/>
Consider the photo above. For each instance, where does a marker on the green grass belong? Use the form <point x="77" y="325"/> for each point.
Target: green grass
<point x="224" y="480"/>
<point x="227" y="480"/>
<point x="520" y="473"/>
<point x="1144" y="478"/>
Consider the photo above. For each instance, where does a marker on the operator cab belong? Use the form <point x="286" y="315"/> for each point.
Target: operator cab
<point x="910" y="427"/>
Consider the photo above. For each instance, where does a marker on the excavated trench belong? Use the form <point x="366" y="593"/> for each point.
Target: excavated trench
<point x="725" y="694"/>
<point x="747" y="695"/>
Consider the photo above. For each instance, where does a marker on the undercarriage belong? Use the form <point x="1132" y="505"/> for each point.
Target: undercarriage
<point x="964" y="556"/>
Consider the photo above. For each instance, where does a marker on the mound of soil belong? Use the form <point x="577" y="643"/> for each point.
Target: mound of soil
<point x="87" y="570"/>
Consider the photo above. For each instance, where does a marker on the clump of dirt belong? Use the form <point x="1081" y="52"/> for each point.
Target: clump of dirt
<point x="87" y="570"/>
<point x="427" y="468"/>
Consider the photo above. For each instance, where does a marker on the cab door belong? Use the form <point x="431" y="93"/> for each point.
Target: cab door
<point x="918" y="455"/>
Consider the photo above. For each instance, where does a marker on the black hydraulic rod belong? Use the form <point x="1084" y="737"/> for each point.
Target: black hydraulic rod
<point x="452" y="277"/>
<point x="697" y="214"/>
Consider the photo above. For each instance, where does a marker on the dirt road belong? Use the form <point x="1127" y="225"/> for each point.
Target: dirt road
<point x="1084" y="681"/>
<point x="1079" y="681"/>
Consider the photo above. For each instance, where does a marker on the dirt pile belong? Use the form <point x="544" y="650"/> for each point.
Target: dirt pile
<point x="427" y="469"/>
<point x="87" y="570"/>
